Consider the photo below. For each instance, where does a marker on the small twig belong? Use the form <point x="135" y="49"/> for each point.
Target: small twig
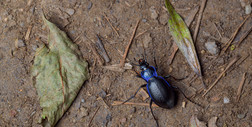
<point x="92" y="70"/>
<point x="191" y="16"/>
<point x="141" y="34"/>
<point x="89" y="124"/>
<point x="128" y="46"/>
<point x="77" y="38"/>
<point x="217" y="30"/>
<point x="29" y="2"/>
<point x="103" y="51"/>
<point x="222" y="73"/>
<point x="244" y="36"/>
<point x="132" y="103"/>
<point x="28" y="32"/>
<point x="100" y="98"/>
<point x="193" y="78"/>
<point x="171" y="57"/>
<point x="234" y="34"/>
<point x="111" y="24"/>
<point x="241" y="60"/>
<point x="96" y="54"/>
<point x="240" y="87"/>
<point x="202" y="82"/>
<point x="202" y="7"/>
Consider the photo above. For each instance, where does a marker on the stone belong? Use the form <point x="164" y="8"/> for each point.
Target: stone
<point x="82" y="100"/>
<point x="102" y="93"/>
<point x="1" y="55"/>
<point x="243" y="3"/>
<point x="226" y="100"/>
<point x="163" y="19"/>
<point x="12" y="23"/>
<point x="90" y="4"/>
<point x="248" y="9"/>
<point x="34" y="47"/>
<point x="19" y="43"/>
<point x="133" y="110"/>
<point x="83" y="112"/>
<point x="212" y="48"/>
<point x="123" y="120"/>
<point x="147" y="39"/>
<point x="144" y="20"/>
<point x="154" y="14"/>
<point x="69" y="11"/>
<point x="241" y="116"/>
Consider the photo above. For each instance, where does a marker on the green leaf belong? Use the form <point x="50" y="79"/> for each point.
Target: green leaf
<point x="58" y="72"/>
<point x="232" y="47"/>
<point x="182" y="38"/>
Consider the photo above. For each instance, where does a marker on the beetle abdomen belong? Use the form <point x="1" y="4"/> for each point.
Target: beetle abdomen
<point x="160" y="92"/>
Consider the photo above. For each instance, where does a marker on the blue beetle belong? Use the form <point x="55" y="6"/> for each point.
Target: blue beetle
<point x="159" y="90"/>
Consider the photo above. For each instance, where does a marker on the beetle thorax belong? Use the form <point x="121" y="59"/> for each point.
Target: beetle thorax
<point x="147" y="73"/>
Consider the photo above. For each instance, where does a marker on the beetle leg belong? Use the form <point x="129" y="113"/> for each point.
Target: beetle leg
<point x="138" y="75"/>
<point x="134" y="94"/>
<point x="167" y="76"/>
<point x="187" y="97"/>
<point x="153" y="113"/>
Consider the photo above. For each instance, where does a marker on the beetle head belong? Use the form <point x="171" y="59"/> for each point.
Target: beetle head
<point x="143" y="64"/>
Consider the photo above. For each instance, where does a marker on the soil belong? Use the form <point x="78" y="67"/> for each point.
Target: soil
<point x="19" y="104"/>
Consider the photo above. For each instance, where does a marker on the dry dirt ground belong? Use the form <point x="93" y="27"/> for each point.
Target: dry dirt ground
<point x="19" y="104"/>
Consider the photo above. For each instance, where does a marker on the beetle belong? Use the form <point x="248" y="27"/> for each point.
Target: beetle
<point x="159" y="90"/>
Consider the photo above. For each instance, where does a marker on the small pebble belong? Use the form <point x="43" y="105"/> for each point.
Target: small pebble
<point x="206" y="34"/>
<point x="212" y="48"/>
<point x="163" y="19"/>
<point x="82" y="100"/>
<point x="154" y="14"/>
<point x="11" y="23"/>
<point x="108" y="117"/>
<point x="102" y="93"/>
<point x="123" y="120"/>
<point x="1" y="55"/>
<point x="243" y="3"/>
<point x="70" y="11"/>
<point x="72" y="31"/>
<point x="34" y="47"/>
<point x="74" y="120"/>
<point x="21" y="24"/>
<point x="10" y="17"/>
<point x="248" y="9"/>
<point x="133" y="110"/>
<point x="19" y="43"/>
<point x="241" y="116"/>
<point x="170" y="69"/>
<point x="132" y="125"/>
<point x="226" y="100"/>
<point x="83" y="112"/>
<point x="144" y="20"/>
<point x="32" y="10"/>
<point x="90" y="4"/>
<point x="147" y="39"/>
<point x="202" y="51"/>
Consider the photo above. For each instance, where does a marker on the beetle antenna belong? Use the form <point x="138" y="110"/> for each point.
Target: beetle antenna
<point x="134" y="64"/>
<point x="135" y="59"/>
